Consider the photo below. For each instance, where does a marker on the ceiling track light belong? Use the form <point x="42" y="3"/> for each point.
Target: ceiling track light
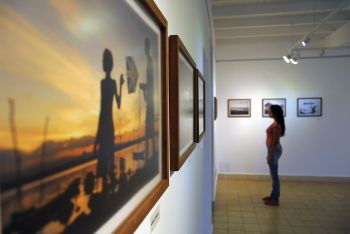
<point x="305" y="41"/>
<point x="306" y="38"/>
<point x="294" y="61"/>
<point x="286" y="58"/>
<point x="291" y="58"/>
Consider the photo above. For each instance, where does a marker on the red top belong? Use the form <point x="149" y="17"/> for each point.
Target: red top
<point x="269" y="132"/>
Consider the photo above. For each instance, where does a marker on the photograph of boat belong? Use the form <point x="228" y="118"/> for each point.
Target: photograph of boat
<point x="309" y="107"/>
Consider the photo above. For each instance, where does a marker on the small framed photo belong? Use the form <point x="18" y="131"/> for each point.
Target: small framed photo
<point x="239" y="107"/>
<point x="309" y="107"/>
<point x="267" y="102"/>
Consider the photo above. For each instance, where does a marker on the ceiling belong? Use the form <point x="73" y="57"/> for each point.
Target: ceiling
<point x="270" y="20"/>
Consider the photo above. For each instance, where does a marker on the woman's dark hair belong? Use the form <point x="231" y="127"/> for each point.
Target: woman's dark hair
<point x="277" y="114"/>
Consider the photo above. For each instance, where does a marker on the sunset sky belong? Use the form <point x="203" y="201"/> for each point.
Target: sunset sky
<point x="51" y="65"/>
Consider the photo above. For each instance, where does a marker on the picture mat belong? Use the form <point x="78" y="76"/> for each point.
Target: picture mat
<point x="186" y="107"/>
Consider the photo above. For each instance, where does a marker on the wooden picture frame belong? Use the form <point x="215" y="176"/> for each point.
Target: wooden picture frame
<point x="98" y="172"/>
<point x="199" y="106"/>
<point x="215" y="108"/>
<point x="238" y="108"/>
<point x="266" y="102"/>
<point x="182" y="72"/>
<point x="136" y="217"/>
<point x="309" y="107"/>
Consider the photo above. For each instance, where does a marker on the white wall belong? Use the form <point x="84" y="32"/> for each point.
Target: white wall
<point x="185" y="208"/>
<point x="317" y="146"/>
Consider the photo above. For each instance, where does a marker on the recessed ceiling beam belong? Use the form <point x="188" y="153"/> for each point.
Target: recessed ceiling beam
<point x="269" y="35"/>
<point x="274" y="29"/>
<point x="278" y="20"/>
<point x="272" y="8"/>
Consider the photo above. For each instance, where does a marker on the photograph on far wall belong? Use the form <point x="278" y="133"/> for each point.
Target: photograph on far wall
<point x="238" y="108"/>
<point x="309" y="107"/>
<point x="267" y="102"/>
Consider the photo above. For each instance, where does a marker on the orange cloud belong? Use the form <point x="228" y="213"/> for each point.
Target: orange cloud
<point x="47" y="76"/>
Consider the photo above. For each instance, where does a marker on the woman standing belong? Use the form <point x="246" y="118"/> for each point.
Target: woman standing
<point x="274" y="149"/>
<point x="104" y="147"/>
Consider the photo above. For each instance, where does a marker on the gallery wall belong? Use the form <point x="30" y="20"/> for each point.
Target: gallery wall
<point x="185" y="207"/>
<point x="313" y="146"/>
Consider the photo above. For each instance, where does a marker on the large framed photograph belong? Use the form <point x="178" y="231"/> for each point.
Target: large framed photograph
<point x="182" y="72"/>
<point x="267" y="102"/>
<point x="199" y="106"/>
<point x="84" y="145"/>
<point x="239" y="107"/>
<point x="309" y="107"/>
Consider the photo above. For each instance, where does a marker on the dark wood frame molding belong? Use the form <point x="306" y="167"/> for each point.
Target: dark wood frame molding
<point x="175" y="48"/>
<point x="199" y="78"/>
<point x="215" y="108"/>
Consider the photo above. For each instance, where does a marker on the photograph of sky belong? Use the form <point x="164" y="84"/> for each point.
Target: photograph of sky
<point x="52" y="66"/>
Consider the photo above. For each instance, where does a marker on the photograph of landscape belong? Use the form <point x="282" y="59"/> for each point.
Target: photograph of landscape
<point x="80" y="112"/>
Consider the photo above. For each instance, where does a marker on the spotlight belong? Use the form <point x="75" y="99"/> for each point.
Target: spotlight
<point x="294" y="61"/>
<point x="305" y="41"/>
<point x="287" y="58"/>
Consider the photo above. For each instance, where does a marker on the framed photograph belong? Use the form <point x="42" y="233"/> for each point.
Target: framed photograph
<point x="267" y="102"/>
<point x="309" y="107"/>
<point x="84" y="144"/>
<point x="238" y="107"/>
<point x="215" y="108"/>
<point x="182" y="74"/>
<point x="199" y="106"/>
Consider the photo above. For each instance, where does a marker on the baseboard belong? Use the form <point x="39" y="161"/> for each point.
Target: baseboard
<point x="224" y="176"/>
<point x="214" y="193"/>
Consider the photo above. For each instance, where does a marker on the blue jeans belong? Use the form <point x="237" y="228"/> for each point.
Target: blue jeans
<point x="273" y="165"/>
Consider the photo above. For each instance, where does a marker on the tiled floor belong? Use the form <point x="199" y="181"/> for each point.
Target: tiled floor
<point x="305" y="207"/>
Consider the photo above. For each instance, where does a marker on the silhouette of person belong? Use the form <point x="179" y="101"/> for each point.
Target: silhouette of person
<point x="147" y="89"/>
<point x="105" y="133"/>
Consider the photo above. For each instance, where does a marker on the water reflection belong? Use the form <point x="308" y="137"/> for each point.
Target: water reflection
<point x="73" y="194"/>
